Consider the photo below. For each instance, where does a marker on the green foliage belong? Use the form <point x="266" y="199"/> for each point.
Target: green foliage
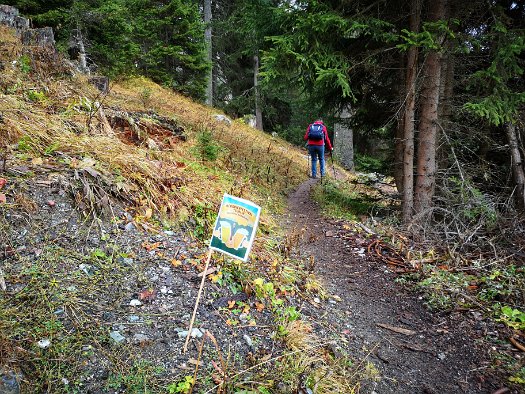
<point x="366" y="163"/>
<point x="502" y="96"/>
<point x="519" y="377"/>
<point x="137" y="380"/>
<point x="182" y="387"/>
<point x="208" y="149"/>
<point x="36" y="96"/>
<point x="171" y="37"/>
<point x="25" y="144"/>
<point x="204" y="218"/>
<point x="513" y="318"/>
<point x="444" y="288"/>
<point x="25" y="64"/>
<point x="338" y="201"/>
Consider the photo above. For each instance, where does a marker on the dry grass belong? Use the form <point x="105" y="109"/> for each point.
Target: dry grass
<point x="311" y="363"/>
<point x="256" y="166"/>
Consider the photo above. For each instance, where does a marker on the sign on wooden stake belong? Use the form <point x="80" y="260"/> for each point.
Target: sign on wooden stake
<point x="233" y="235"/>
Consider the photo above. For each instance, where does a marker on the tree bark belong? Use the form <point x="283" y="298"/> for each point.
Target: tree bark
<point x="207" y="39"/>
<point x="518" y="170"/>
<point x="399" y="143"/>
<point x="258" y="111"/>
<point x="409" y="118"/>
<point x="426" y="159"/>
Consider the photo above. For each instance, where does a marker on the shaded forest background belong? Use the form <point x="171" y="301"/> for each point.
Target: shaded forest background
<point x="435" y="89"/>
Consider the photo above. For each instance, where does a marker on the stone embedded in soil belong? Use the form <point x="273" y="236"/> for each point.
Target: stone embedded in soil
<point x="9" y="383"/>
<point x="117" y="336"/>
<point x="195" y="333"/>
<point x="248" y="340"/>
<point x="44" y="343"/>
<point x="135" y="303"/>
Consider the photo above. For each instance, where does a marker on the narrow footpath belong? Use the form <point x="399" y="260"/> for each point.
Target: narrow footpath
<point x="372" y="317"/>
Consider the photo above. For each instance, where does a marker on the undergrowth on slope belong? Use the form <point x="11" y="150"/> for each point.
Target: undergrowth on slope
<point x="110" y="150"/>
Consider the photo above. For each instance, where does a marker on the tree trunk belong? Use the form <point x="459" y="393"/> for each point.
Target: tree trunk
<point x="207" y="39"/>
<point x="399" y="143"/>
<point x="426" y="160"/>
<point x="258" y="111"/>
<point x="409" y="118"/>
<point x="82" y="57"/>
<point x="518" y="169"/>
<point x="344" y="139"/>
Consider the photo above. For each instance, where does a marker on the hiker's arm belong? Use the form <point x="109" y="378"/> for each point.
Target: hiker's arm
<point x="327" y="139"/>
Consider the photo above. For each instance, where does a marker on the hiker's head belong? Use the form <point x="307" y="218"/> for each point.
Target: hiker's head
<point x="319" y="120"/>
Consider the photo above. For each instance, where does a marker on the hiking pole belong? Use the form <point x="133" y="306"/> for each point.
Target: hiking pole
<point x="309" y="172"/>
<point x="333" y="167"/>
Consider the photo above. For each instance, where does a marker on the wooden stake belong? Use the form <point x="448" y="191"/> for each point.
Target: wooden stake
<point x="197" y="302"/>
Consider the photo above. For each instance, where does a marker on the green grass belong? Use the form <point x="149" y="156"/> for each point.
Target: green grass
<point x="340" y="201"/>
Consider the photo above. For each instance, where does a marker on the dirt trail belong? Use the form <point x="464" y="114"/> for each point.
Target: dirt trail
<point x="440" y="355"/>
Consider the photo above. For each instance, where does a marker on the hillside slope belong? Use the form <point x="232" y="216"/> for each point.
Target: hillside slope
<point x="107" y="203"/>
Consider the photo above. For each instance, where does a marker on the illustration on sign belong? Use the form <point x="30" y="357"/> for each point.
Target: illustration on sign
<point x="235" y="227"/>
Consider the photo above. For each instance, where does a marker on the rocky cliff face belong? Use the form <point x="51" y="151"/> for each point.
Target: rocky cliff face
<point x="42" y="37"/>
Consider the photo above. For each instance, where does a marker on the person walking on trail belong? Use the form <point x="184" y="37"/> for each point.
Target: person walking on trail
<point x="317" y="137"/>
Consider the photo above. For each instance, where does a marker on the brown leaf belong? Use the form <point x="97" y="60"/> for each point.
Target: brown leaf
<point x="3" y="181"/>
<point x="231" y="304"/>
<point x="147" y="295"/>
<point x="3" y="198"/>
<point x="149" y="247"/>
<point x="259" y="306"/>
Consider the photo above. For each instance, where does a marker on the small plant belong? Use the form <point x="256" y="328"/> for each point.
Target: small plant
<point x="145" y="97"/>
<point x="204" y="218"/>
<point x="444" y="288"/>
<point x="24" y="144"/>
<point x="519" y="377"/>
<point x="25" y="64"/>
<point x="182" y="387"/>
<point x="208" y="148"/>
<point x="36" y="96"/>
<point x="513" y="318"/>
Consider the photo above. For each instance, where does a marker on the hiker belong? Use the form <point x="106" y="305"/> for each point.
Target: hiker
<point x="317" y="136"/>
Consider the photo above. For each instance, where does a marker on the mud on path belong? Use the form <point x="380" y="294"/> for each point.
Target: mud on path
<point x="438" y="353"/>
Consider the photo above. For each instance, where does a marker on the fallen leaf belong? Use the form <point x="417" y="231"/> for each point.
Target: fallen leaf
<point x="231" y="304"/>
<point x="51" y="203"/>
<point x="150" y="247"/>
<point x="147" y="295"/>
<point x="149" y="213"/>
<point x="246" y="309"/>
<point x="176" y="263"/>
<point x="37" y="161"/>
<point x="259" y="306"/>
<point x="215" y="278"/>
<point x="3" y="181"/>
<point x="3" y="198"/>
